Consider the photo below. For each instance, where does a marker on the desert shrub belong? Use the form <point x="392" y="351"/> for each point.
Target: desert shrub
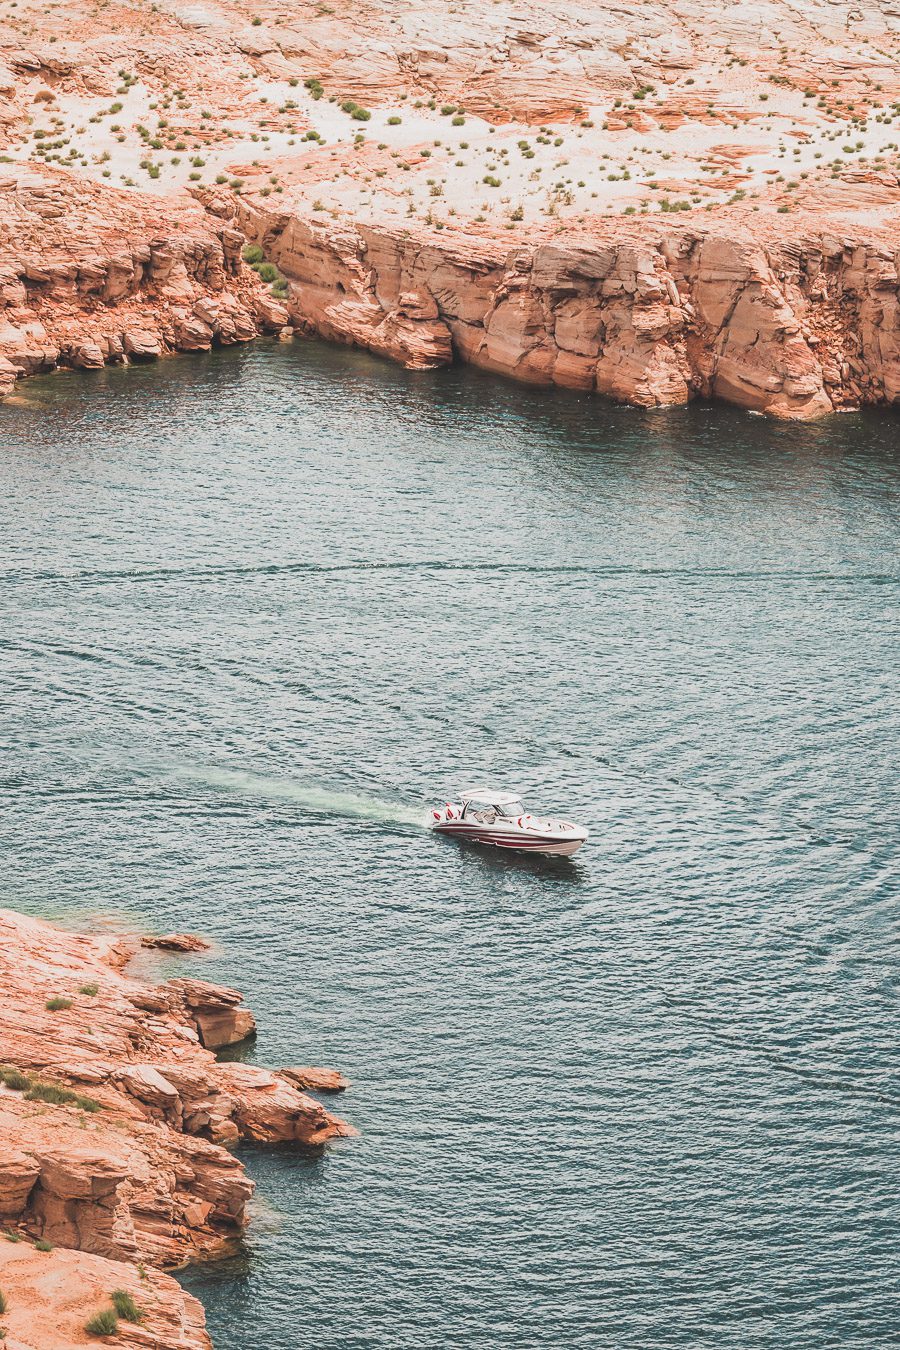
<point x="252" y="254"/>
<point x="42" y="1245"/>
<point x="315" y="87"/>
<point x="57" y="1004"/>
<point x="125" y="1306"/>
<point x="89" y="989"/>
<point x="14" y="1078"/>
<point x="267" y="272"/>
<point x="103" y="1323"/>
<point x="394" y="121"/>
<point x="57" y="1095"/>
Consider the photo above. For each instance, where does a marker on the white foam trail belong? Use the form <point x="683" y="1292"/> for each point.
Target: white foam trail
<point x="322" y="800"/>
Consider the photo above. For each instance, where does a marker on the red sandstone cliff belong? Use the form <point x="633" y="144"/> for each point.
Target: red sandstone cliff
<point x="91" y="275"/>
<point x="646" y="313"/>
<point x="114" y="1116"/>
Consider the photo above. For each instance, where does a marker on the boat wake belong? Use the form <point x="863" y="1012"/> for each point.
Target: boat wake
<point x="321" y="801"/>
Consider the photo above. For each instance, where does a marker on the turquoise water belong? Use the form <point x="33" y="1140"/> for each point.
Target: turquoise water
<point x="259" y="608"/>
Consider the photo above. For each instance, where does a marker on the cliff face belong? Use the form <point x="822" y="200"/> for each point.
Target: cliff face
<point x="91" y="275"/>
<point x="114" y="1116"/>
<point x="646" y="315"/>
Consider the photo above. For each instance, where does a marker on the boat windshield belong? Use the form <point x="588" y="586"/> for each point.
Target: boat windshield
<point x="511" y="809"/>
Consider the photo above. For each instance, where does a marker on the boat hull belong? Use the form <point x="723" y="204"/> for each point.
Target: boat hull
<point x="556" y="845"/>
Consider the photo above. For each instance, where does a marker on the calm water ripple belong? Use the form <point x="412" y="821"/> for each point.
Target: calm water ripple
<point x="257" y="609"/>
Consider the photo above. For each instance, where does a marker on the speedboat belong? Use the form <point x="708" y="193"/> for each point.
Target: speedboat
<point x="500" y="819"/>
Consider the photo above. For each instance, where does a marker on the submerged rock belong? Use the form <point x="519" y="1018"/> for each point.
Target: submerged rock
<point x="177" y="942"/>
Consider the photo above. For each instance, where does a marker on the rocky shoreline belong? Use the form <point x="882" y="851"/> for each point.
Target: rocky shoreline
<point x="116" y="1121"/>
<point x="654" y="205"/>
<point x="648" y="315"/>
<point x="92" y="276"/>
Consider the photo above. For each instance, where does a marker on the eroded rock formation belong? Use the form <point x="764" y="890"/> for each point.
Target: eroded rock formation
<point x="646" y="314"/>
<point x="92" y="275"/>
<point x="50" y="1296"/>
<point x="115" y="1115"/>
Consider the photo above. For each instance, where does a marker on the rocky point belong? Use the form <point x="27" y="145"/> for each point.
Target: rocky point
<point x="116" y="1124"/>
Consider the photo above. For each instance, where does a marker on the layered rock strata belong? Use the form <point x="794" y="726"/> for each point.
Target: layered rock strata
<point x="91" y="275"/>
<point x="115" y="1117"/>
<point x="645" y="314"/>
<point x="50" y="1297"/>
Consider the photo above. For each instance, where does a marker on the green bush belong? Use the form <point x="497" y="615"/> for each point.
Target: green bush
<point x="56" y="1095"/>
<point x="42" y="1245"/>
<point x="394" y="121"/>
<point x="104" y="1323"/>
<point x="14" y="1078"/>
<point x="2" y="1302"/>
<point x="57" y="1004"/>
<point x="267" y="272"/>
<point x="315" y="87"/>
<point x="12" y="1237"/>
<point x="125" y="1306"/>
<point x="252" y="254"/>
<point x="89" y="989"/>
<point x="355" y="111"/>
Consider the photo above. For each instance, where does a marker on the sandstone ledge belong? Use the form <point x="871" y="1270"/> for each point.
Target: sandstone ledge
<point x="648" y="314"/>
<point x="114" y="1122"/>
<point x="796" y="321"/>
<point x="51" y="1295"/>
<point x="92" y="275"/>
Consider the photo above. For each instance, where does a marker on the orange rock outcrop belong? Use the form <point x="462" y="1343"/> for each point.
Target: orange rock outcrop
<point x="51" y="1296"/>
<point x="647" y="314"/>
<point x="115" y="1119"/>
<point x="91" y="275"/>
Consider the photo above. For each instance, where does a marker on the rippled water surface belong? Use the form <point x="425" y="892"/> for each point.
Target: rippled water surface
<point x="258" y="608"/>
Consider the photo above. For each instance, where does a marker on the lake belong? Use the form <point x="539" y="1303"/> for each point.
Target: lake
<point x="260" y="608"/>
